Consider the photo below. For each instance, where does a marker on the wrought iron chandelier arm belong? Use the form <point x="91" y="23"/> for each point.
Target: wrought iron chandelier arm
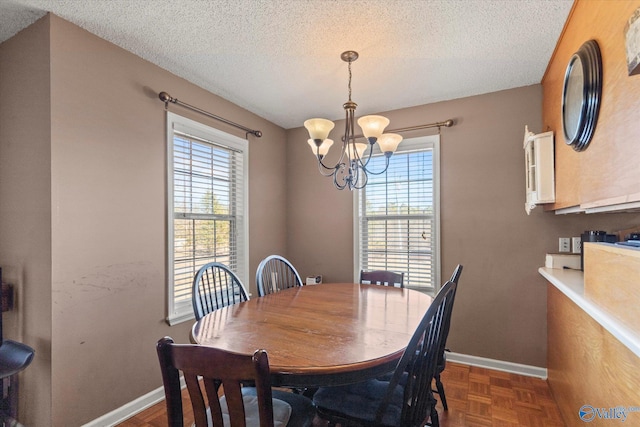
<point x="359" y="187"/>
<point x="339" y="165"/>
<point x="337" y="184"/>
<point x="386" y="166"/>
<point x="361" y="163"/>
<point x="329" y="171"/>
<point x="357" y="177"/>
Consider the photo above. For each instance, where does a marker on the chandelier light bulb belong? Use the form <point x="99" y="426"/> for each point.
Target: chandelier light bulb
<point x="372" y="127"/>
<point x="323" y="149"/>
<point x="388" y="142"/>
<point x="319" y="129"/>
<point x="360" y="149"/>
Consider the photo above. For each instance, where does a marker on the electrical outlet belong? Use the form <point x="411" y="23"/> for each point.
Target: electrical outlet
<point x="564" y="244"/>
<point x="576" y="245"/>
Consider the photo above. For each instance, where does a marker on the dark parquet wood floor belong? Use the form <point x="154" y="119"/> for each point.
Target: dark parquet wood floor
<point x="477" y="397"/>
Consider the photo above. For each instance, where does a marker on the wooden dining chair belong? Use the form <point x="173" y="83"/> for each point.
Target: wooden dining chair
<point x="215" y="286"/>
<point x="382" y="277"/>
<point x="406" y="399"/>
<point x="442" y="352"/>
<point x="276" y="273"/>
<point x="206" y="369"/>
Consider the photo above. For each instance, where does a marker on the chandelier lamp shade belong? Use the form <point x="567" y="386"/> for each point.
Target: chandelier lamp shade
<point x="350" y="171"/>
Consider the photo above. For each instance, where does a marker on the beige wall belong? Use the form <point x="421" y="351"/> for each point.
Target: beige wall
<point x="87" y="165"/>
<point x="25" y="207"/>
<point x="500" y="310"/>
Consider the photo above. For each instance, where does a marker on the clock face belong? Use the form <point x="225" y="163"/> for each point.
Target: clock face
<point x="581" y="95"/>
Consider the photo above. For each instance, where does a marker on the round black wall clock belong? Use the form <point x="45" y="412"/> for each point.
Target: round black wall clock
<point x="581" y="95"/>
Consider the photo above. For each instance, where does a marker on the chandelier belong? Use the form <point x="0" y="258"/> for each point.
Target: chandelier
<point x="350" y="171"/>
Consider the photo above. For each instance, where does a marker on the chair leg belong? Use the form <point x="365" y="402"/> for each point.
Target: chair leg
<point x="435" y="422"/>
<point x="440" y="388"/>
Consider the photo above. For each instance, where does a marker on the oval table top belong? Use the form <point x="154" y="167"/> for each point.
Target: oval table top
<point x="317" y="335"/>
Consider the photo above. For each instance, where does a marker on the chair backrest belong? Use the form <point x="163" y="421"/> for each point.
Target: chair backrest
<point x="447" y="321"/>
<point x="456" y="274"/>
<point x="276" y="273"/>
<point x="417" y="366"/>
<point x="215" y="367"/>
<point x="382" y="277"/>
<point x="215" y="286"/>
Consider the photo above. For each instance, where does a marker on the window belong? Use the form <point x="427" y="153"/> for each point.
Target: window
<point x="207" y="203"/>
<point x="397" y="215"/>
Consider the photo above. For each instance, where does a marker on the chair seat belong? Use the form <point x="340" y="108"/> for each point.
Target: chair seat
<point x="281" y="412"/>
<point x="302" y="409"/>
<point x="14" y="357"/>
<point x="360" y="401"/>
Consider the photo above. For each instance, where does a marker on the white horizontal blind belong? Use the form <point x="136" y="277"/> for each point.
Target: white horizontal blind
<point x="207" y="210"/>
<point x="397" y="218"/>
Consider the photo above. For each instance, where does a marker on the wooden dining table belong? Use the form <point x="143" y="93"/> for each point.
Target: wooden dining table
<point x="319" y="335"/>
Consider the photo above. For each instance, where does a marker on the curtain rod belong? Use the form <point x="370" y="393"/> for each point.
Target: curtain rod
<point x="446" y="123"/>
<point x="166" y="98"/>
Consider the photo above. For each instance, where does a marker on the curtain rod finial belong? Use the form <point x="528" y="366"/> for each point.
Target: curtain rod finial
<point x="165" y="97"/>
<point x="448" y="123"/>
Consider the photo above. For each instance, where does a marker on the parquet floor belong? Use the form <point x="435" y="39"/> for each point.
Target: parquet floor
<point x="477" y="397"/>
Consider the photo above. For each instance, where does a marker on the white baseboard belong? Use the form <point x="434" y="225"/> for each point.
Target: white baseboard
<point x="143" y="402"/>
<point x="130" y="409"/>
<point x="498" y="365"/>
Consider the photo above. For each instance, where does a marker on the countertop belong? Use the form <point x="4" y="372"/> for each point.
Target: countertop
<point x="571" y="283"/>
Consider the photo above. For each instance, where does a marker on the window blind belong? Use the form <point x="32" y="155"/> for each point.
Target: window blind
<point x="397" y="218"/>
<point x="207" y="211"/>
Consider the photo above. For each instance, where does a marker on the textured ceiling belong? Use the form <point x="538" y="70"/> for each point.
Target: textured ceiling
<point x="281" y="58"/>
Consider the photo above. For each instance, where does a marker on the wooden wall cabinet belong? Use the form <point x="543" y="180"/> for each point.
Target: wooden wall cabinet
<point x="604" y="177"/>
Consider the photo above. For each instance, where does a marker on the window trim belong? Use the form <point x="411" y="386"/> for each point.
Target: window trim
<point x="407" y="145"/>
<point x="178" y="313"/>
